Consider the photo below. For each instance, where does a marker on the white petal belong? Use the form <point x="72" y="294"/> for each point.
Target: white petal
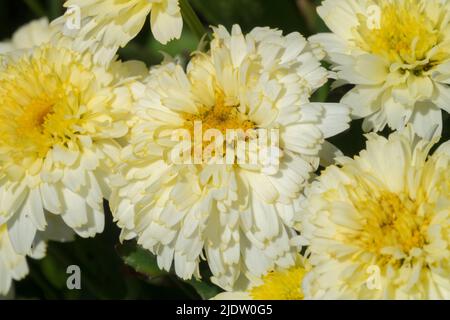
<point x="21" y="230"/>
<point x="165" y="26"/>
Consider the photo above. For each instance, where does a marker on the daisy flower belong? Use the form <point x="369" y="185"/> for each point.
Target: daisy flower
<point x="378" y="226"/>
<point x="116" y="22"/>
<point x="397" y="54"/>
<point x="28" y="36"/>
<point x="281" y="284"/>
<point x="60" y="116"/>
<point x="235" y="214"/>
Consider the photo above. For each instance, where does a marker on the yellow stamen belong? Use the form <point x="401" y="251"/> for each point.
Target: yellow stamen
<point x="280" y="285"/>
<point x="392" y="221"/>
<point x="220" y="117"/>
<point x="405" y="34"/>
<point x="38" y="108"/>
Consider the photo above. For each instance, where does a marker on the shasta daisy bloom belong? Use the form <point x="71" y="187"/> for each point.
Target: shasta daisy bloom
<point x="60" y="114"/>
<point x="116" y="22"/>
<point x="281" y="284"/>
<point x="235" y="214"/>
<point x="28" y="36"/>
<point x="397" y="54"/>
<point x="378" y="226"/>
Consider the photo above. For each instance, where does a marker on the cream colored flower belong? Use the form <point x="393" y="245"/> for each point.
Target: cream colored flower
<point x="378" y="226"/>
<point x="60" y="116"/>
<point x="28" y="36"/>
<point x="235" y="215"/>
<point x="281" y="284"/>
<point x="116" y="22"/>
<point x="397" y="54"/>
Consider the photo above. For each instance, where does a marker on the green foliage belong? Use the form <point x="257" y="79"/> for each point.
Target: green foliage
<point x="140" y="260"/>
<point x="145" y="263"/>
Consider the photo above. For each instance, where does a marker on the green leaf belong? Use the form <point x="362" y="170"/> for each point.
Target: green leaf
<point x="191" y="19"/>
<point x="140" y="259"/>
<point x="54" y="272"/>
<point x="144" y="262"/>
<point x="56" y="8"/>
<point x="204" y="289"/>
<point x="183" y="46"/>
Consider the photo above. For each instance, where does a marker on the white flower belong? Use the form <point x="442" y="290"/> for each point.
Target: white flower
<point x="397" y="55"/>
<point x="28" y="36"/>
<point x="60" y="116"/>
<point x="238" y="215"/>
<point x="116" y="22"/>
<point x="378" y="226"/>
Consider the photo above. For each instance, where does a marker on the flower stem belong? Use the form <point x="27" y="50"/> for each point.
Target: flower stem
<point x="191" y="19"/>
<point x="36" y="7"/>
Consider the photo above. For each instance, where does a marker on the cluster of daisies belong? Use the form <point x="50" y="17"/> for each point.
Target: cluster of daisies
<point x="78" y="125"/>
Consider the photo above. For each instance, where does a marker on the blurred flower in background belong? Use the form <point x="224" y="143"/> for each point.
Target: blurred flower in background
<point x="28" y="36"/>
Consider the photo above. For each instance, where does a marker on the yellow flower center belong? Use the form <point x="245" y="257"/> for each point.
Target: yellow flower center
<point x="280" y="285"/>
<point x="31" y="124"/>
<point x="399" y="30"/>
<point x="39" y="105"/>
<point x="391" y="221"/>
<point x="34" y="116"/>
<point x="221" y="117"/>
